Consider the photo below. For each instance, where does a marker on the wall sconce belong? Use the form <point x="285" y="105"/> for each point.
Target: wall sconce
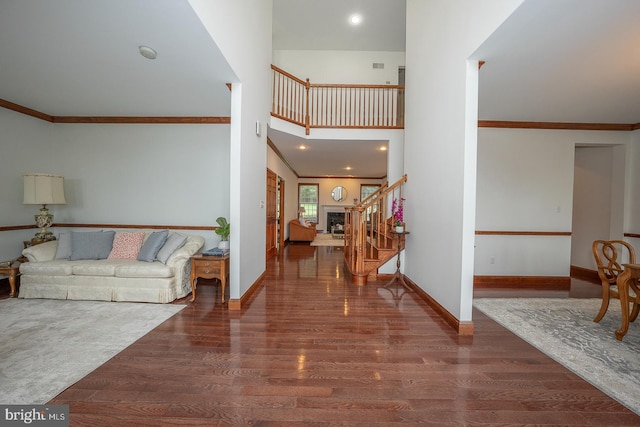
<point x="43" y="189"/>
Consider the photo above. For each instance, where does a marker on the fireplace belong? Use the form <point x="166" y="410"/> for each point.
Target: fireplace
<point x="334" y="218"/>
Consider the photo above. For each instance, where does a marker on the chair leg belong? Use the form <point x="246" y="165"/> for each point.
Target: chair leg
<point x="635" y="303"/>
<point x="605" y="303"/>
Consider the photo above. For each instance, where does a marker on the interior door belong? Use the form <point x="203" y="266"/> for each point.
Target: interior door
<point x="272" y="217"/>
<point x="281" y="194"/>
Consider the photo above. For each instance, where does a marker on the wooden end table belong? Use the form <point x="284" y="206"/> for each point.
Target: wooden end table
<point x="209" y="267"/>
<point x="398" y="276"/>
<point x="12" y="270"/>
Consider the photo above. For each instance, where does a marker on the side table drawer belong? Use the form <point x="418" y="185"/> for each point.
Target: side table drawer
<point x="207" y="267"/>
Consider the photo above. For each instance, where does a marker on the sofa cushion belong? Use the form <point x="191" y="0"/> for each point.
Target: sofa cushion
<point x="144" y="269"/>
<point x="97" y="268"/>
<point x="91" y="244"/>
<point x="175" y="241"/>
<point x="152" y="246"/>
<point x="63" y="250"/>
<point x="126" y="244"/>
<point x="47" y="268"/>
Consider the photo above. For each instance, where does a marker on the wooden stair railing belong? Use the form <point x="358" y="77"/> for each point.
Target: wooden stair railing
<point x="369" y="242"/>
<point x="346" y="106"/>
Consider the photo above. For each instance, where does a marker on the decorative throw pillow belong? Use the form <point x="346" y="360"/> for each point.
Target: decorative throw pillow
<point x="63" y="250"/>
<point x="152" y="246"/>
<point x="126" y="244"/>
<point x="174" y="242"/>
<point x="91" y="244"/>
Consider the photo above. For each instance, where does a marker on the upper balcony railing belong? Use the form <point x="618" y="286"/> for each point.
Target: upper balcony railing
<point x="336" y="105"/>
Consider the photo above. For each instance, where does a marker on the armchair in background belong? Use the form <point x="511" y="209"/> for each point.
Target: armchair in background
<point x="301" y="233"/>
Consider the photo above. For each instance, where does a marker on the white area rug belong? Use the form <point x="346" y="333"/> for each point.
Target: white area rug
<point x="564" y="330"/>
<point x="325" y="239"/>
<point x="48" y="345"/>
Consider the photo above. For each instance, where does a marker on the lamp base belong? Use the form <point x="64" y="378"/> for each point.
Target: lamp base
<point x="44" y="220"/>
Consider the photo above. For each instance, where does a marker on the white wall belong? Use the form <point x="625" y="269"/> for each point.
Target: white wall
<point x="116" y="174"/>
<point x="441" y="109"/>
<point x="144" y="174"/>
<point x="632" y="193"/>
<point x="346" y="67"/>
<point x="242" y="31"/>
<point x="525" y="183"/>
<point x="25" y="146"/>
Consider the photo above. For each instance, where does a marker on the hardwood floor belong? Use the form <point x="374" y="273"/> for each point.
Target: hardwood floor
<point x="313" y="349"/>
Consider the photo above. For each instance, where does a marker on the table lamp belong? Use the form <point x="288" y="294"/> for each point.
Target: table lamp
<point x="43" y="189"/>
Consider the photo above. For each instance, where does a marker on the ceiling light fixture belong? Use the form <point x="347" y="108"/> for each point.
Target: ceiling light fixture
<point x="147" y="52"/>
<point x="355" y="19"/>
<point x="383" y="148"/>
<point x="302" y="147"/>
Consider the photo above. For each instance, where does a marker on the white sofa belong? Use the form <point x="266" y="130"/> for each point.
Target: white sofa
<point x="133" y="280"/>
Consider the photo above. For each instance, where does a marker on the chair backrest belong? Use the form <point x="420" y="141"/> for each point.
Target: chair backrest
<point x="609" y="255"/>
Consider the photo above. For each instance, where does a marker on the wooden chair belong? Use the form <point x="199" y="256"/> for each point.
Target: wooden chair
<point x="609" y="255"/>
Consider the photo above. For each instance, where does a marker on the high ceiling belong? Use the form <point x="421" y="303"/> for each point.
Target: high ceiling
<point x="552" y="60"/>
<point x="564" y="61"/>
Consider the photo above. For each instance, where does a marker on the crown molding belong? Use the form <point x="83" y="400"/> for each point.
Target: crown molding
<point x="557" y="125"/>
<point x="114" y="119"/>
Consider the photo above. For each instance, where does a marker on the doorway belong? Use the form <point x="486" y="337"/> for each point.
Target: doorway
<point x="598" y="200"/>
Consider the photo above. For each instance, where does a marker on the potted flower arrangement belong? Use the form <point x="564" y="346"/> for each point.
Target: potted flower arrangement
<point x="397" y="213"/>
<point x="223" y="232"/>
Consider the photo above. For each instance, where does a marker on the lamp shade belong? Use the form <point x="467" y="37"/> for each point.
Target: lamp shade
<point x="43" y="189"/>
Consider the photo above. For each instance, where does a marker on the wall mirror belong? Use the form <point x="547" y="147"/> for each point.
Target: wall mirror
<point x="339" y="193"/>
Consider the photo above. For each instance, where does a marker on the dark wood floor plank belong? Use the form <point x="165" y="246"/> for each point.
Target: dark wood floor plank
<point x="313" y="349"/>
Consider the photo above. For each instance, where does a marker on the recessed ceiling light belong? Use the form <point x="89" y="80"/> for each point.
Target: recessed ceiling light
<point x="348" y="168"/>
<point x="147" y="52"/>
<point x="355" y="19"/>
<point x="302" y="147"/>
<point x="383" y="148"/>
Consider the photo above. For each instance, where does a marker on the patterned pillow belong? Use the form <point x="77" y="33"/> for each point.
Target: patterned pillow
<point x="126" y="244"/>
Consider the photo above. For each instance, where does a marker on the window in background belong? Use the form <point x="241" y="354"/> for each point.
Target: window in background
<point x="308" y="199"/>
<point x="367" y="189"/>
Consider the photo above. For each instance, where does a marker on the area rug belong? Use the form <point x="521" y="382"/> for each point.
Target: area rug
<point x="564" y="330"/>
<point x="48" y="345"/>
<point x="325" y="239"/>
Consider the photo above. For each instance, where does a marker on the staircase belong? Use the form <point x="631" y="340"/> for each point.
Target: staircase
<point x="369" y="242"/>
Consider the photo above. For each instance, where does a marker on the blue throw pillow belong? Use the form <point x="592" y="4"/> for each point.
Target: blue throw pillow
<point x="63" y="250"/>
<point x="152" y="246"/>
<point x="174" y="242"/>
<point x="91" y="244"/>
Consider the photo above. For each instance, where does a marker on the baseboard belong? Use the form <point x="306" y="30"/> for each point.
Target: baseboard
<point x="585" y="274"/>
<point x="462" y="327"/>
<point x="523" y="282"/>
<point x="237" y="304"/>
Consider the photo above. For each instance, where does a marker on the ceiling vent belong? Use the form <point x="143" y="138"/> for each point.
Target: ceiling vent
<point x="378" y="65"/>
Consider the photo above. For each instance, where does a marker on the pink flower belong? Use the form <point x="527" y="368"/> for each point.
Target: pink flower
<point x="397" y="211"/>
